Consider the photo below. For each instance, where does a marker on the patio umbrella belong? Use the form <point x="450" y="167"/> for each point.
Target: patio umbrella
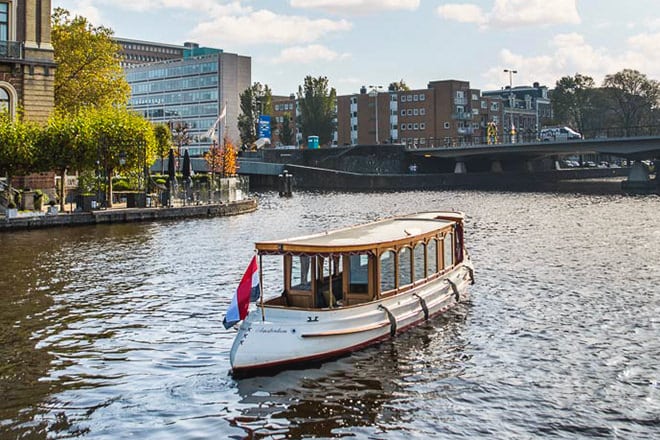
<point x="171" y="181"/>
<point x="186" y="172"/>
<point x="186" y="167"/>
<point x="171" y="170"/>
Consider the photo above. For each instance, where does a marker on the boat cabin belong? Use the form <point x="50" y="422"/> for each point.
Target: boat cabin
<point x="364" y="263"/>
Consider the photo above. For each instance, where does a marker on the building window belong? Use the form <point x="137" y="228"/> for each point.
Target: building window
<point x="403" y="98"/>
<point x="475" y="97"/>
<point x="447" y="125"/>
<point x="4" y="21"/>
<point x="460" y="94"/>
<point x="422" y="111"/>
<point x="422" y="126"/>
<point x="403" y="127"/>
<point x="409" y="112"/>
<point x="410" y="126"/>
<point x="4" y="100"/>
<point x="422" y="97"/>
<point x="394" y="99"/>
<point x="403" y="112"/>
<point x="416" y="126"/>
<point x="494" y="106"/>
<point x="415" y="98"/>
<point x="484" y="104"/>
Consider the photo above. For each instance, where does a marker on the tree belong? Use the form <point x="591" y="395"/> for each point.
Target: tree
<point x="286" y="133"/>
<point x="255" y="100"/>
<point x="572" y="100"/>
<point x="634" y="98"/>
<point x="163" y="138"/>
<point x="229" y="162"/>
<point x="398" y="86"/>
<point x="124" y="142"/>
<point x="17" y="146"/>
<point x="214" y="160"/>
<point x="180" y="136"/>
<point x="317" y="108"/>
<point x="88" y="71"/>
<point x="63" y="146"/>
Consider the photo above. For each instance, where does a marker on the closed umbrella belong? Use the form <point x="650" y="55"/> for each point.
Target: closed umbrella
<point x="187" y="173"/>
<point x="171" y="172"/>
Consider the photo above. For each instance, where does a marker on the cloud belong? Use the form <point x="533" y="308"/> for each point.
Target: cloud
<point x="356" y="6"/>
<point x="226" y="23"/>
<point x="264" y="27"/>
<point x="85" y="8"/>
<point x="308" y="54"/>
<point x="513" y="13"/>
<point x="568" y="54"/>
<point x="464" y="13"/>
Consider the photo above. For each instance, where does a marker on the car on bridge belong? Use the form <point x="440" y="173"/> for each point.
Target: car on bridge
<point x="559" y="134"/>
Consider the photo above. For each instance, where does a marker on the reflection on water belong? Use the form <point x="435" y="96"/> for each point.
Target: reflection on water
<point x="115" y="331"/>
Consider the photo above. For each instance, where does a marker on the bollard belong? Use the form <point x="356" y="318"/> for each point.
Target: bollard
<point x="285" y="184"/>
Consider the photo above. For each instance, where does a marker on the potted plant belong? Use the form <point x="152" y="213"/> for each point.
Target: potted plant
<point x="12" y="211"/>
<point x="52" y="208"/>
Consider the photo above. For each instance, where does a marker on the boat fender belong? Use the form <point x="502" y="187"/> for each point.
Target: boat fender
<point x="424" y="306"/>
<point x="392" y="319"/>
<point x="471" y="271"/>
<point x="454" y="287"/>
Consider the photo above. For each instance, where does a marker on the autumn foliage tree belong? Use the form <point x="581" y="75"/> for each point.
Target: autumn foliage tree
<point x="229" y="160"/>
<point x="88" y="71"/>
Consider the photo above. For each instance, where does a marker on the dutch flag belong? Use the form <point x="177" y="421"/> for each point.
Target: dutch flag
<point x="247" y="291"/>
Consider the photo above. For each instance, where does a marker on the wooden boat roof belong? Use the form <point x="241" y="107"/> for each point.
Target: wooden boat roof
<point x="366" y="237"/>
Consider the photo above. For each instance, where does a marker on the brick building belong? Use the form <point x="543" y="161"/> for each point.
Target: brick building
<point x="27" y="67"/>
<point x="447" y="112"/>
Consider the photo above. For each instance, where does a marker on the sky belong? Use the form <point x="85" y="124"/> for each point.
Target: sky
<point x="377" y="42"/>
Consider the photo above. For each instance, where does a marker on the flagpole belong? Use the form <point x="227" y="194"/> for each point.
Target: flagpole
<point x="261" y="288"/>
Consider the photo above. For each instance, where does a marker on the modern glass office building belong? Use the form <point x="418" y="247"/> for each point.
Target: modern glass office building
<point x="192" y="92"/>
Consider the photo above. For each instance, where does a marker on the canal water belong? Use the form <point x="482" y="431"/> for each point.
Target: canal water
<point x="116" y="331"/>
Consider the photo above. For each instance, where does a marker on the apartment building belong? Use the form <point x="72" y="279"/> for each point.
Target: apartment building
<point x="135" y="52"/>
<point x="447" y="112"/>
<point x="191" y="91"/>
<point x="27" y="67"/>
<point x="526" y="110"/>
<point x="284" y="106"/>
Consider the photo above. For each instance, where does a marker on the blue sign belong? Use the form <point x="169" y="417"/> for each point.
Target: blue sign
<point x="264" y="126"/>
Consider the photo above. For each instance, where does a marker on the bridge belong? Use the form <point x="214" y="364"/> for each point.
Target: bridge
<point x="388" y="165"/>
<point x="633" y="148"/>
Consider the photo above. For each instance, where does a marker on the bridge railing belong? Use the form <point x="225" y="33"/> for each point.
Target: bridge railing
<point x="528" y="136"/>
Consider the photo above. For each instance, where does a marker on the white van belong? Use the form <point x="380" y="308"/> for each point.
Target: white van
<point x="559" y="134"/>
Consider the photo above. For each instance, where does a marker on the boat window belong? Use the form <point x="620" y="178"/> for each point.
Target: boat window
<point x="358" y="278"/>
<point x="432" y="256"/>
<point x="448" y="254"/>
<point x="301" y="274"/>
<point x="405" y="266"/>
<point x="420" y="262"/>
<point x="387" y="272"/>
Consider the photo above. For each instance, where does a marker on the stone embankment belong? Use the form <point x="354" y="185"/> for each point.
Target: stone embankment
<point x="125" y="215"/>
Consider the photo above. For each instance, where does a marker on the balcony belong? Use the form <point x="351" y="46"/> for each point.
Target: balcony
<point x="11" y="49"/>
<point x="462" y="116"/>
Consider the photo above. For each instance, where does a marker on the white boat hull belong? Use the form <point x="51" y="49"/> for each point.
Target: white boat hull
<point x="289" y="336"/>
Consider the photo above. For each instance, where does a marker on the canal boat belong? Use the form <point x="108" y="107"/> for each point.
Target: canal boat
<point x="342" y="290"/>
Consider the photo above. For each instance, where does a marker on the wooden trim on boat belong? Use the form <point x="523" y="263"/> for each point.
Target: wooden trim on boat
<point x="349" y="331"/>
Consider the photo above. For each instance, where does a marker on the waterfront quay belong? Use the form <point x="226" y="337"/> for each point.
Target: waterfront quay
<point x="124" y="215"/>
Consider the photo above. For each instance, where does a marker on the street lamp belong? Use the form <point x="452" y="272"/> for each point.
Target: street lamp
<point x="374" y="93"/>
<point x="512" y="131"/>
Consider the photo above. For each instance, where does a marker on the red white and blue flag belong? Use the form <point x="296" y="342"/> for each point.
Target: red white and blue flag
<point x="247" y="291"/>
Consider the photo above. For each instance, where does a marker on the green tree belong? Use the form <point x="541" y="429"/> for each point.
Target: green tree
<point x="572" y="100"/>
<point x="255" y="100"/>
<point x="317" y="108"/>
<point x="286" y="132"/>
<point x="163" y="138"/>
<point x="634" y="98"/>
<point x="18" y="140"/>
<point x="123" y="142"/>
<point x="88" y="71"/>
<point x="64" y="145"/>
